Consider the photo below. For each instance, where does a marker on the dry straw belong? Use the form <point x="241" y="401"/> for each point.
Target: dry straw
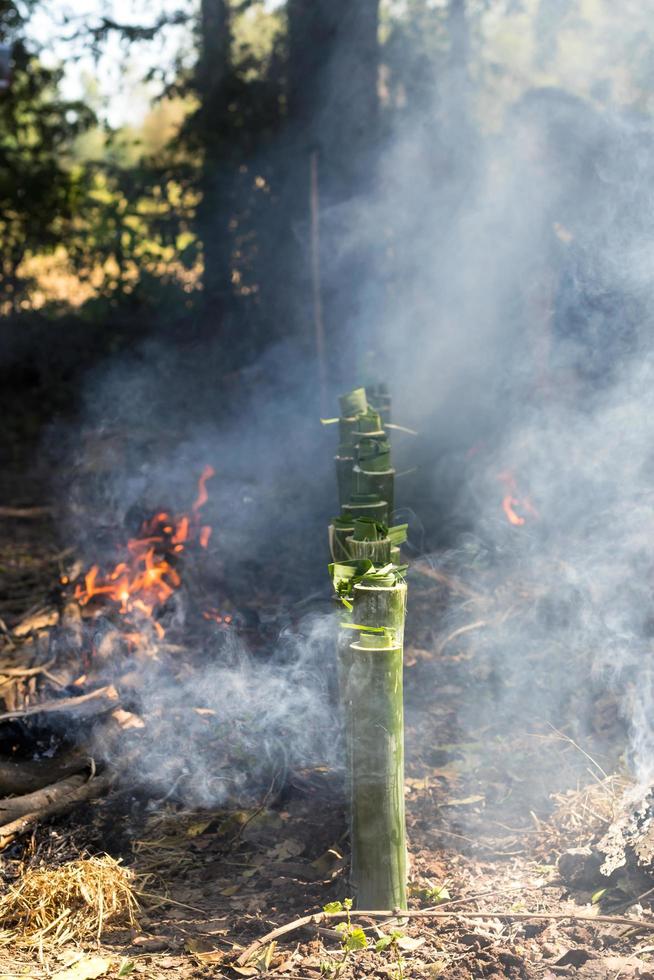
<point x="75" y="902"/>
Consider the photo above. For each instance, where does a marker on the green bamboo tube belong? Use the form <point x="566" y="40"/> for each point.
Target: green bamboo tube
<point x="366" y="505"/>
<point x="379" y="484"/>
<point x="352" y="405"/>
<point x="344" y="477"/>
<point x="340" y="530"/>
<point x="373" y="472"/>
<point x="381" y="603"/>
<point x="375" y="725"/>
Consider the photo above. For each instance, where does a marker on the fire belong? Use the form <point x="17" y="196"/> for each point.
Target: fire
<point x="145" y="579"/>
<point x="513" y="500"/>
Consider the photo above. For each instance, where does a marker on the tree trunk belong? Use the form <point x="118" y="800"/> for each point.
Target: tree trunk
<point x="333" y="111"/>
<point x="213" y="73"/>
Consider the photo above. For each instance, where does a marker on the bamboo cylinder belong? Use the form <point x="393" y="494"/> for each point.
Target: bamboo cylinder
<point x="366" y="505"/>
<point x="380" y="399"/>
<point x="373" y="472"/>
<point x="378" y="552"/>
<point x="351" y="406"/>
<point x="374" y="704"/>
<point x="369" y="539"/>
<point x="340" y="530"/>
<point x="344" y="476"/>
<point x="381" y="484"/>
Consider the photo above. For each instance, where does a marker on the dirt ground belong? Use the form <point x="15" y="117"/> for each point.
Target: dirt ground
<point x="488" y="816"/>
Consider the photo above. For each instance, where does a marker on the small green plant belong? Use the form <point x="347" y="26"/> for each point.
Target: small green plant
<point x="391" y="942"/>
<point x="352" y="937"/>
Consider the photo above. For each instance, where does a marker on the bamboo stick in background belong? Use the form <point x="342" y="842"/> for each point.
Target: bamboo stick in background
<point x="316" y="286"/>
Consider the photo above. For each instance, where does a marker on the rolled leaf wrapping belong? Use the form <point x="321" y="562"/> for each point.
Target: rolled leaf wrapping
<point x="355" y="402"/>
<point x="369" y="423"/>
<point x="373" y="540"/>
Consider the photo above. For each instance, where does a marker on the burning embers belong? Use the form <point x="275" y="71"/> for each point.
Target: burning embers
<point x="146" y="577"/>
<point x="516" y="506"/>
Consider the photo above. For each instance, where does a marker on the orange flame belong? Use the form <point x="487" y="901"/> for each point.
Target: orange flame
<point x="513" y="500"/>
<point x="141" y="583"/>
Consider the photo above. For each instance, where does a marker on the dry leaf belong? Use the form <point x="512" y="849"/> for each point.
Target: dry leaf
<point x="230" y="890"/>
<point x="85" y="969"/>
<point x="199" y="827"/>
<point x="204" y="952"/>
<point x="465" y="801"/>
<point x="408" y="943"/>
<point x="127" y="720"/>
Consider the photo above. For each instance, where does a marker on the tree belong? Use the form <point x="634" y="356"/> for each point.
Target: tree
<point x="211" y="130"/>
<point x="333" y="107"/>
<point x="333" y="70"/>
<point x="39" y="189"/>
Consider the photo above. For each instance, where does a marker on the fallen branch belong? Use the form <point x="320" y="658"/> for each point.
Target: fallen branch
<point x="56" y="801"/>
<point x="480" y="624"/>
<point x="106" y="698"/>
<point x="319" y="917"/>
<point x="19" y="778"/>
<point x="41" y="799"/>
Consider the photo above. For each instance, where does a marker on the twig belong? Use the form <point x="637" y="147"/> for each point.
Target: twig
<point x="459" y="632"/>
<point x="11" y="672"/>
<point x="25" y="513"/>
<point x="449" y="581"/>
<point x="319" y="917"/>
<point x="108" y="693"/>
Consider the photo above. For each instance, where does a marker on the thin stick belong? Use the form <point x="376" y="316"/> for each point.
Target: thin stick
<point x="316" y="285"/>
<point x="319" y="917"/>
<point x="449" y="581"/>
<point x="108" y="693"/>
<point x="459" y="632"/>
<point x="25" y="513"/>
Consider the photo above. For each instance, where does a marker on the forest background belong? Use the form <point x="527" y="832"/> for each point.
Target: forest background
<point x="156" y="171"/>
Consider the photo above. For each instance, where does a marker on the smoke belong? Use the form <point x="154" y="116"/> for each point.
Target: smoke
<point x="235" y="726"/>
<point x="507" y="304"/>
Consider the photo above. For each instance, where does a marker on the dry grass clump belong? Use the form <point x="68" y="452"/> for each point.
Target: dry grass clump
<point x="581" y="814"/>
<point x="73" y="902"/>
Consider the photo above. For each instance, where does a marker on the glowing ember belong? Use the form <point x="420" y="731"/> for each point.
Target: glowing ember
<point x="215" y="616"/>
<point x="513" y="502"/>
<point x="145" y="579"/>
